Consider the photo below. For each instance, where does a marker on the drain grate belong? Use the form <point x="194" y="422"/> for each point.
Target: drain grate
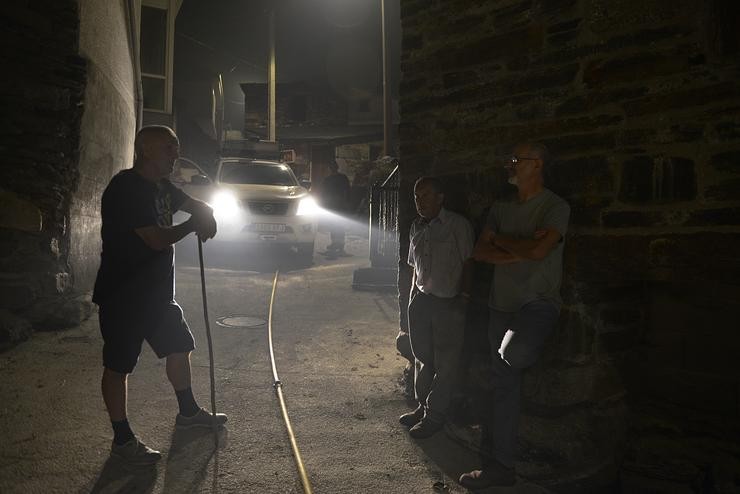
<point x="241" y="321"/>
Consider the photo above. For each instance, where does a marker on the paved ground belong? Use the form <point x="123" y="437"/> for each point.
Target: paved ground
<point x="335" y="355"/>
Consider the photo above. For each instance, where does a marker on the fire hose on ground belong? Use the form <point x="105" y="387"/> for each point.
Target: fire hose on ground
<point x="277" y="384"/>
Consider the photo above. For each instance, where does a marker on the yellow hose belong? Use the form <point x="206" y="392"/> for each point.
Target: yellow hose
<point x="279" y="390"/>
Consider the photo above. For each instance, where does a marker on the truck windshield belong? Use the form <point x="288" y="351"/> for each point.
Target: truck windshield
<point x="252" y="173"/>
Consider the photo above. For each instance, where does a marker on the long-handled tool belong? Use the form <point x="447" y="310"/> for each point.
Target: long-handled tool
<point x="210" y="341"/>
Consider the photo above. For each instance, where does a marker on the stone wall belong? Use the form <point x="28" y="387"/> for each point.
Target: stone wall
<point x="639" y="103"/>
<point x="68" y="126"/>
<point x="42" y="94"/>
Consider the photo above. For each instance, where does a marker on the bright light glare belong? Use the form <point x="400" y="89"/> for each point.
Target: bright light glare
<point x="308" y="206"/>
<point x="225" y="204"/>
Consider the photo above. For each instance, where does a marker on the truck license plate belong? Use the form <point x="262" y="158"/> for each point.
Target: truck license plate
<point x="268" y="227"/>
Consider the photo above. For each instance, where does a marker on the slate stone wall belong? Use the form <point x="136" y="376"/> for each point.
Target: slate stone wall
<point x="68" y="126"/>
<point x="42" y="93"/>
<point x="640" y="105"/>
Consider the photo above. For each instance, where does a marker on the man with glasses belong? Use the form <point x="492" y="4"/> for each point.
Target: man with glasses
<point x="523" y="238"/>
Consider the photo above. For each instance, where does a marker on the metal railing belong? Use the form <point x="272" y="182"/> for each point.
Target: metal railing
<point x="384" y="220"/>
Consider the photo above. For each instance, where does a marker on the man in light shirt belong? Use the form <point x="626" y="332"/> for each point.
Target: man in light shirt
<point x="441" y="243"/>
<point x="523" y="238"/>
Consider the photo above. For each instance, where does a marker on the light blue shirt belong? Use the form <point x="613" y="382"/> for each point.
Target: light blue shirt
<point x="437" y="251"/>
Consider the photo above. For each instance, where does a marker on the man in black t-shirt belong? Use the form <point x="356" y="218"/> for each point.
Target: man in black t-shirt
<point x="335" y="197"/>
<point x="135" y="286"/>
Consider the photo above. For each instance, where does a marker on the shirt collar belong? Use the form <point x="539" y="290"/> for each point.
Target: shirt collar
<point x="440" y="218"/>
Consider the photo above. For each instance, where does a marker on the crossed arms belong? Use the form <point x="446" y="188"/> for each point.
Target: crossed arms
<point x="505" y="249"/>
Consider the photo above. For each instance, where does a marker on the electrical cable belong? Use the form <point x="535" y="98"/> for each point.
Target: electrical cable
<point x="210" y="342"/>
<point x="279" y="391"/>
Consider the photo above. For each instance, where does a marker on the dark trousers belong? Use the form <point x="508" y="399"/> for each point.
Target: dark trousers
<point x="517" y="339"/>
<point x="436" y="331"/>
<point x="336" y="231"/>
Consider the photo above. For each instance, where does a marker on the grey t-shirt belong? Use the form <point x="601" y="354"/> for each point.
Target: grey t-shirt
<point x="517" y="284"/>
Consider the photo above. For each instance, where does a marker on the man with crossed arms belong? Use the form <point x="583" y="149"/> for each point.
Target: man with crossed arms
<point x="523" y="238"/>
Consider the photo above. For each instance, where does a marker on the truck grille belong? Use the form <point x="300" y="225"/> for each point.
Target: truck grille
<point x="267" y="207"/>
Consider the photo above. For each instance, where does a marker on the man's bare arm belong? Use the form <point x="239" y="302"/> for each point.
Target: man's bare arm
<point x="525" y="248"/>
<point x="486" y="251"/>
<point x="161" y="237"/>
<point x="196" y="207"/>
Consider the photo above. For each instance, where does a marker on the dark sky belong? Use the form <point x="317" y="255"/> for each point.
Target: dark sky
<point x="333" y="41"/>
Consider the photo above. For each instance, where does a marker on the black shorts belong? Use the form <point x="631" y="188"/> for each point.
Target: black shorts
<point x="124" y="329"/>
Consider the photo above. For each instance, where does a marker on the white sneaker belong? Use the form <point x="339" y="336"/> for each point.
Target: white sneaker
<point x="134" y="452"/>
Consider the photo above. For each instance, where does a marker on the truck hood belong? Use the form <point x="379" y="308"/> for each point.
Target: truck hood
<point x="271" y="192"/>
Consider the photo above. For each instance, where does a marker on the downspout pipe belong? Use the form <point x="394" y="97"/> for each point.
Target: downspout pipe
<point x="133" y="38"/>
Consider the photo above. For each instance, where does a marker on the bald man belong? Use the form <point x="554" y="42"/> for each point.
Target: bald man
<point x="523" y="238"/>
<point x="134" y="288"/>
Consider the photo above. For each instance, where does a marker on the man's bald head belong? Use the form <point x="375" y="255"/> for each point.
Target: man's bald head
<point x="152" y="135"/>
<point x="156" y="148"/>
<point x="535" y="149"/>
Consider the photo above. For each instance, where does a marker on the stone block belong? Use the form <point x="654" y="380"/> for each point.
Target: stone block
<point x="644" y="66"/>
<point x="494" y="46"/>
<point x="620" y="315"/>
<point x="688" y="258"/>
<point x="582" y="436"/>
<point x="58" y="313"/>
<point x="13" y="329"/>
<point x="568" y="25"/>
<point x="18" y="213"/>
<point x="586" y="215"/>
<point x="574" y="336"/>
<point x="665" y="347"/>
<point x="682" y="99"/>
<point x="562" y="39"/>
<point x="553" y="390"/>
<point x="698" y="217"/>
<point x="588" y="177"/>
<point x="657" y="179"/>
<point x="579" y="144"/>
<point x="410" y="86"/>
<point x="414" y="42"/>
<point x="714" y="217"/>
<point x="649" y="36"/>
<point x="623" y="339"/>
<point x="461" y="78"/>
<point x="693" y="390"/>
<point x="16" y="292"/>
<point x="704" y="316"/>
<point x="615" y="259"/>
<point x="726" y="162"/>
<point x="727" y="130"/>
<point x="725" y="190"/>
<point x="631" y="219"/>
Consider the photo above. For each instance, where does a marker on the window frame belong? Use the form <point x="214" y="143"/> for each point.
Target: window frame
<point x="171" y="7"/>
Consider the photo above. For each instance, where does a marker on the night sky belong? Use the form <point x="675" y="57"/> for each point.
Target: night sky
<point x="325" y="41"/>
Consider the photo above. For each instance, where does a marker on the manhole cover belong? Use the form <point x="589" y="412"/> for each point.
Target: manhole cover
<point x="240" y="321"/>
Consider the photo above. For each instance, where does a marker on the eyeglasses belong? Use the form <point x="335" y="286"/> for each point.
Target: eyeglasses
<point x="515" y="160"/>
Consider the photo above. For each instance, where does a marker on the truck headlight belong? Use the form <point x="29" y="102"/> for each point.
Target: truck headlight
<point x="225" y="204"/>
<point x="307" y="206"/>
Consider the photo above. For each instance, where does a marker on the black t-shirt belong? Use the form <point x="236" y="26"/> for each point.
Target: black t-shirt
<point x="335" y="191"/>
<point x="130" y="272"/>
